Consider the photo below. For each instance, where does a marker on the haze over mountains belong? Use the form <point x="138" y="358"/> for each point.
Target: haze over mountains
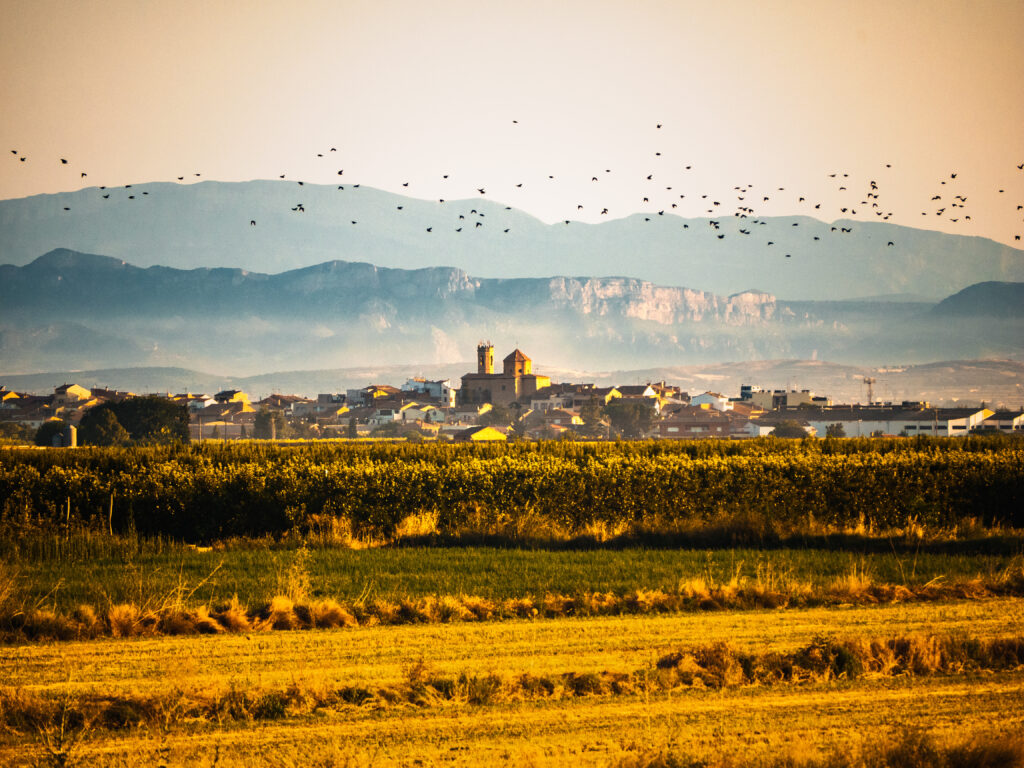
<point x="208" y="225"/>
<point x="73" y="310"/>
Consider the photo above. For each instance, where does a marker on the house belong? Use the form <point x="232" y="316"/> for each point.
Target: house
<point x="70" y="394"/>
<point x="32" y="412"/>
<point x="283" y="403"/>
<point x="9" y="400"/>
<point x="240" y="413"/>
<point x="231" y="396"/>
<point x="413" y="412"/>
<point x="562" y="418"/>
<point x="669" y="392"/>
<point x="642" y="393"/>
<point x="480" y="434"/>
<point x="194" y="403"/>
<point x="371" y="393"/>
<point x="440" y="390"/>
<point x="699" y="422"/>
<point x="382" y="416"/>
<point x="516" y="381"/>
<point x="769" y="400"/>
<point x="639" y="390"/>
<point x="712" y="400"/>
<point x="108" y="395"/>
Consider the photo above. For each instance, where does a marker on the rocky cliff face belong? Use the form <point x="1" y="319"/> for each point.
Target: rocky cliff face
<point x="641" y="300"/>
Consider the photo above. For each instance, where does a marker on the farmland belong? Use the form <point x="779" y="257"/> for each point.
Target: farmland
<point x="529" y="605"/>
<point x="592" y="726"/>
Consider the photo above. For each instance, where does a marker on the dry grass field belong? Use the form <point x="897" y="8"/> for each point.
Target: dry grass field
<point x="267" y="688"/>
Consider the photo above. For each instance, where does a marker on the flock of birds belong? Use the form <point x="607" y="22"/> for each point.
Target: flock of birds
<point x="947" y="202"/>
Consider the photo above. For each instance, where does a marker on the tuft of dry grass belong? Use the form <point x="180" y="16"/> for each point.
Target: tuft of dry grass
<point x="123" y="620"/>
<point x="331" y="613"/>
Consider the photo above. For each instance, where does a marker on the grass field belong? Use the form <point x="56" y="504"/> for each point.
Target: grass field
<point x="597" y="729"/>
<point x="63" y="575"/>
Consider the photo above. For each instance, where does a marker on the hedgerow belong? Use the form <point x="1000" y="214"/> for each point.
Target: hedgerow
<point x="202" y="493"/>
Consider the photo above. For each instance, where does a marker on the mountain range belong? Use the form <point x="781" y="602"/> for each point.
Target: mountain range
<point x="278" y="226"/>
<point x="68" y="310"/>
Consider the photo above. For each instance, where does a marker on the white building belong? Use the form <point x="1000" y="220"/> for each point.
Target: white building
<point x="712" y="400"/>
<point x="439" y="390"/>
<point x="1005" y="421"/>
<point x="863" y="421"/>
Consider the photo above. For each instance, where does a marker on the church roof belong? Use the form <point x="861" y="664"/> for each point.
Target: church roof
<point x="516" y="356"/>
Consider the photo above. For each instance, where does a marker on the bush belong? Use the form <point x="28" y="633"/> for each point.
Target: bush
<point x="788" y="429"/>
<point x="48" y="430"/>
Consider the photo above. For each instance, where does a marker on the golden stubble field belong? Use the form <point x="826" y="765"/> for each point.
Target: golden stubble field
<point x="599" y="726"/>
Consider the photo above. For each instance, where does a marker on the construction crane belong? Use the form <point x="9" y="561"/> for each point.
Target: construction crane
<point x="870" y="381"/>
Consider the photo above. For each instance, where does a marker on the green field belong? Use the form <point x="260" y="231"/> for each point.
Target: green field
<point x="63" y="575"/>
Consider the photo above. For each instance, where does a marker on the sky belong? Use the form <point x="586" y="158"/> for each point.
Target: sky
<point x="755" y="95"/>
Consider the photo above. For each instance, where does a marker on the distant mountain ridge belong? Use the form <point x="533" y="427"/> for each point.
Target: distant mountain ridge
<point x="988" y="299"/>
<point x="71" y="310"/>
<point x="65" y="284"/>
<point x="208" y="225"/>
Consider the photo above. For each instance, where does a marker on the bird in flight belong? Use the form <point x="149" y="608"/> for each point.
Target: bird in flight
<point x="252" y="222"/>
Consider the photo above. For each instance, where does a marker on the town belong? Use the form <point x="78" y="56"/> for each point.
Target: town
<point x="513" y="403"/>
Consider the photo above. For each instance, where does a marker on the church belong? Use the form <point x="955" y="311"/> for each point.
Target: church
<point x="516" y="380"/>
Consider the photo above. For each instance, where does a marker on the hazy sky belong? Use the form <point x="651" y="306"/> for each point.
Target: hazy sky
<point x="773" y="94"/>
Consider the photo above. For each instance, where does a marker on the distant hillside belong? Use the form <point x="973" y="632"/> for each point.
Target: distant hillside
<point x="71" y="310"/>
<point x="990" y="299"/>
<point x="208" y="225"/>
